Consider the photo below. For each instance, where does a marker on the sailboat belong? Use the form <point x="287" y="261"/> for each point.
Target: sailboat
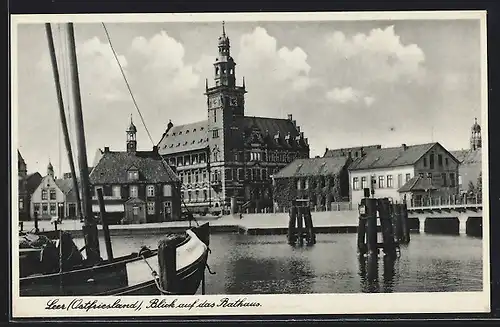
<point x="50" y="264"/>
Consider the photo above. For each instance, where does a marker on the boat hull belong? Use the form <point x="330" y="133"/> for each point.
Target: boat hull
<point x="129" y="275"/>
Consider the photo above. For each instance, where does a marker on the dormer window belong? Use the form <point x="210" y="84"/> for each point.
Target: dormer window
<point x="133" y="175"/>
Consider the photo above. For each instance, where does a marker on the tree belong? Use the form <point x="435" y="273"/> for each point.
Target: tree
<point x="479" y="185"/>
<point x="471" y="189"/>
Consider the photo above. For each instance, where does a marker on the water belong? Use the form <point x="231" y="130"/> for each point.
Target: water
<point x="247" y="264"/>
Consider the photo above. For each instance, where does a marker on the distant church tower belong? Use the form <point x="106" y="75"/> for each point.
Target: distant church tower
<point x="131" y="137"/>
<point x="475" y="138"/>
<point x="50" y="169"/>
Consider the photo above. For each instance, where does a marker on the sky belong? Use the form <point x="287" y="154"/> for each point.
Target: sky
<point x="346" y="83"/>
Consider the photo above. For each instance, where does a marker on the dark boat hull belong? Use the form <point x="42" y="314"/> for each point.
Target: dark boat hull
<point x="115" y="277"/>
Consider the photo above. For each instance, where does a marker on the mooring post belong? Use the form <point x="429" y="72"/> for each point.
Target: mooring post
<point x="300" y="225"/>
<point x="396" y="218"/>
<point x="291" y="225"/>
<point x="404" y="224"/>
<point x="362" y="227"/>
<point x="386" y="226"/>
<point x="104" y="222"/>
<point x="371" y="225"/>
<point x="311" y="236"/>
<point x="167" y="261"/>
<point x="36" y="221"/>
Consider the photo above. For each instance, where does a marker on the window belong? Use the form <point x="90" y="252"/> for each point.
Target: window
<point x="133" y="175"/>
<point x="400" y="180"/>
<point x="425" y="162"/>
<point x="52" y="194"/>
<point x="440" y="160"/>
<point x="117" y="191"/>
<point x="459" y="180"/>
<point x="443" y="177"/>
<point x="196" y="176"/>
<point x="381" y="181"/>
<point x="229" y="174"/>
<point x="256" y="174"/>
<point x="44" y="195"/>
<point x="205" y="195"/>
<point x="21" y="204"/>
<point x="36" y="208"/>
<point x="264" y="174"/>
<point x="150" y="191"/>
<point x="241" y="176"/>
<point x="421" y="175"/>
<point x="215" y="133"/>
<point x="363" y="182"/>
<point x="429" y="176"/>
<point x="134" y="191"/>
<point x="306" y="184"/>
<point x="431" y="161"/>
<point x="407" y="177"/>
<point x="151" y="208"/>
<point x="135" y="210"/>
<point x="53" y="211"/>
<point x="189" y="196"/>
<point x="299" y="184"/>
<point x="45" y="209"/>
<point x="446" y="161"/>
<point x="389" y="181"/>
<point x="189" y="177"/>
<point x="167" y="190"/>
<point x="452" y="179"/>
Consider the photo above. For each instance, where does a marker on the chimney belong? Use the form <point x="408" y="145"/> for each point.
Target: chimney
<point x="155" y="149"/>
<point x="289" y="116"/>
<point x="298" y="129"/>
<point x="301" y="135"/>
<point x="106" y="149"/>
<point x="294" y="122"/>
<point x="405" y="147"/>
<point x="169" y="126"/>
<point x="326" y="150"/>
<point x="306" y="141"/>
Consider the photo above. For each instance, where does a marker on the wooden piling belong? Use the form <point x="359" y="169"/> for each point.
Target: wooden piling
<point x="362" y="228"/>
<point x="292" y="225"/>
<point x="311" y="235"/>
<point x="300" y="225"/>
<point x="386" y="226"/>
<point x="167" y="261"/>
<point x="396" y="219"/>
<point x="404" y="224"/>
<point x="371" y="225"/>
<point x="105" y="227"/>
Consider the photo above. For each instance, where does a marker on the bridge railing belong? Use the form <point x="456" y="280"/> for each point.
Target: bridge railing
<point x="452" y="200"/>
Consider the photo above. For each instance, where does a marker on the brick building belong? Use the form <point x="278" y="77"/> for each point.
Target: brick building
<point x="27" y="183"/>
<point x="230" y="154"/>
<point x="138" y="186"/>
<point x="323" y="181"/>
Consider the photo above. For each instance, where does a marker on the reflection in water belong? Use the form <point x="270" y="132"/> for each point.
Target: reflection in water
<point x="250" y="264"/>
<point x="369" y="273"/>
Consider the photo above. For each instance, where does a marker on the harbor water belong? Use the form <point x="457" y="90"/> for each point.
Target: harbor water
<point x="266" y="264"/>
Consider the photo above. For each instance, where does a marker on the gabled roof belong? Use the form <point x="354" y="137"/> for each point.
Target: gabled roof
<point x="113" y="167"/>
<point x="345" y="151"/>
<point x="33" y="180"/>
<point x="393" y="157"/>
<point x="195" y="136"/>
<point x="469" y="156"/>
<point x="418" y="183"/>
<point x="313" y="167"/>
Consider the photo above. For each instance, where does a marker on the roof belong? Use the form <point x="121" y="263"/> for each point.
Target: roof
<point x="194" y="136"/>
<point x="418" y="183"/>
<point x="392" y="157"/>
<point x="313" y="167"/>
<point x="188" y="137"/>
<point x="468" y="156"/>
<point x="345" y="151"/>
<point x="33" y="180"/>
<point x="19" y="156"/>
<point x="113" y="167"/>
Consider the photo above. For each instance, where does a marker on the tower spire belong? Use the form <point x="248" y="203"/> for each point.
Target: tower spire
<point x="223" y="28"/>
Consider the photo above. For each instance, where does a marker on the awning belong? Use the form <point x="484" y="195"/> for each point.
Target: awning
<point x="109" y="208"/>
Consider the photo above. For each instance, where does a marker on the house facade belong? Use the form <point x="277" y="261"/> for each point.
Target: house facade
<point x="323" y="181"/>
<point x="230" y="155"/>
<point x="138" y="186"/>
<point x="53" y="198"/>
<point x="390" y="169"/>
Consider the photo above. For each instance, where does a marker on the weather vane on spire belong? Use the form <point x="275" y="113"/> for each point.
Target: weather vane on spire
<point x="131" y="118"/>
<point x="223" y="28"/>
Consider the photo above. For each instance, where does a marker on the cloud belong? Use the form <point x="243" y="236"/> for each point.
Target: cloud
<point x="378" y="56"/>
<point x="348" y="94"/>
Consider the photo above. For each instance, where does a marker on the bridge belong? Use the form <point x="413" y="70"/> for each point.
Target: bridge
<point x="463" y="214"/>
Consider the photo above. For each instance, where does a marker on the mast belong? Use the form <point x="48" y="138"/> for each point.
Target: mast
<point x="90" y="226"/>
<point x="64" y="123"/>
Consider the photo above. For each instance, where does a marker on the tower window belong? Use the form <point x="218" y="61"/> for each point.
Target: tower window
<point x="216" y="70"/>
<point x="215" y="133"/>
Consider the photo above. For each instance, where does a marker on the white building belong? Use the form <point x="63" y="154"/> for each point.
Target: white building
<point x="413" y="171"/>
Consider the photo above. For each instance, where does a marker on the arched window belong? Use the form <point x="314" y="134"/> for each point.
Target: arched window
<point x="216" y="70"/>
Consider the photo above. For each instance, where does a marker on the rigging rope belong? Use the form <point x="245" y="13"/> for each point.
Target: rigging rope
<point x="165" y="164"/>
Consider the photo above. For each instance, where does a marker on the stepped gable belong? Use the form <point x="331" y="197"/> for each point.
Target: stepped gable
<point x="114" y="165"/>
